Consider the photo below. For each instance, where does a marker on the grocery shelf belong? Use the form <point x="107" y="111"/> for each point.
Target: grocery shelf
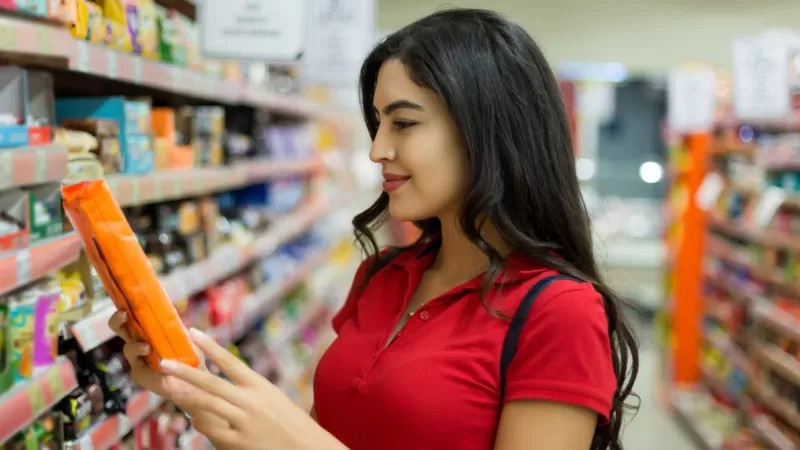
<point x="25" y="166"/>
<point x="766" y="237"/>
<point x="727" y="347"/>
<point x="770" y="434"/>
<point x="786" y="365"/>
<point x="265" y="299"/>
<point x="788" y="123"/>
<point x="27" y="401"/>
<point x="41" y="39"/>
<point x="193" y="440"/>
<point x="130" y="190"/>
<point x="92" y="331"/>
<point x="230" y="259"/>
<point x="733" y="148"/>
<point x="225" y="261"/>
<point x="773" y="277"/>
<point x="19" y="267"/>
<point x="774" y="402"/>
<point x="109" y="431"/>
<point x="697" y="428"/>
<point x="765" y="312"/>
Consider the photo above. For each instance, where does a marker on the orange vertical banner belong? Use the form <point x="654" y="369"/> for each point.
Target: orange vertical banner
<point x="687" y="300"/>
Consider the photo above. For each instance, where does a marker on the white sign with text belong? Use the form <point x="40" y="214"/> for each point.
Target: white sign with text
<point x="340" y="34"/>
<point x="262" y="30"/>
<point x="761" y="78"/>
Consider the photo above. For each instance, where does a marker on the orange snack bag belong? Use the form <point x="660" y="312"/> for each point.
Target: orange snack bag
<point x="126" y="273"/>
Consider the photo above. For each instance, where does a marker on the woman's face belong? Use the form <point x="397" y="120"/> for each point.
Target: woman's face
<point x="418" y="145"/>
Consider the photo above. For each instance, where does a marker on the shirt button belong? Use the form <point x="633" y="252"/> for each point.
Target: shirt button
<point x="357" y="383"/>
<point x="424" y="315"/>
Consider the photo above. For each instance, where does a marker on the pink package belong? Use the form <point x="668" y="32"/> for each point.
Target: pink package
<point x="45" y="329"/>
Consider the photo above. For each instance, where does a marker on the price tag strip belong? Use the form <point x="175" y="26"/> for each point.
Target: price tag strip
<point x="26" y="402"/>
<point x="105" y="434"/>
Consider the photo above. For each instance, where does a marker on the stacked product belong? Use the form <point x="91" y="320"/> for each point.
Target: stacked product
<point x="143" y="27"/>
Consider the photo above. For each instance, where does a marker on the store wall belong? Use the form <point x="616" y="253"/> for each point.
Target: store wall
<point x="647" y="36"/>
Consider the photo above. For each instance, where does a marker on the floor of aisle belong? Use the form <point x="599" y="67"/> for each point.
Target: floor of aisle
<point x="653" y="428"/>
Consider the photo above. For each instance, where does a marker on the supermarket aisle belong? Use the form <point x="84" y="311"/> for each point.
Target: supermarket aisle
<point x="653" y="428"/>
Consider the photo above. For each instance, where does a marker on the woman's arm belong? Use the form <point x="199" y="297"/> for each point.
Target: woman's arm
<point x="545" y="425"/>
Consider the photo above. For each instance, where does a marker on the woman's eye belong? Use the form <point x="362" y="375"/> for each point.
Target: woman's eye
<point x="403" y="124"/>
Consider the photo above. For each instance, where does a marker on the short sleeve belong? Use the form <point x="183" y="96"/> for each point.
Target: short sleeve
<point x="563" y="354"/>
<point x="348" y="310"/>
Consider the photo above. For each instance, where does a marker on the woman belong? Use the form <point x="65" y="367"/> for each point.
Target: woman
<point x="468" y="125"/>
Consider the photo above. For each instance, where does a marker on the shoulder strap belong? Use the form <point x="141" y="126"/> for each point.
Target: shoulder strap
<point x="518" y="322"/>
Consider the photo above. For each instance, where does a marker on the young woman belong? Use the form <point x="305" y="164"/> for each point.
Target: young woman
<point x="469" y="128"/>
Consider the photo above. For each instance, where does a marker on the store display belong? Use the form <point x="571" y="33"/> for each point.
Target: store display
<point x="27" y="112"/>
<point x="45" y="211"/>
<point x="207" y="200"/>
<point x="733" y="201"/>
<point x="132" y="118"/>
<point x="14" y="228"/>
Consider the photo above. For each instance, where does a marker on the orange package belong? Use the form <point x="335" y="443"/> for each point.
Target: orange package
<point x="126" y="273"/>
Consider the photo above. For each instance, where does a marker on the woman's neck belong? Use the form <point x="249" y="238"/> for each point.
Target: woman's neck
<point x="458" y="258"/>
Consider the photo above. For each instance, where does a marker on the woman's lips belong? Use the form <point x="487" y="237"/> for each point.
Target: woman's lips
<point x="393" y="182"/>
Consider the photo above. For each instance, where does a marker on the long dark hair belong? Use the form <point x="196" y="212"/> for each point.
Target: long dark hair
<point x="504" y="99"/>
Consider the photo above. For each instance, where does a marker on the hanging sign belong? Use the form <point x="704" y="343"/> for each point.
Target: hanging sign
<point x="263" y="30"/>
<point x="690" y="99"/>
<point x="340" y="34"/>
<point x="761" y="78"/>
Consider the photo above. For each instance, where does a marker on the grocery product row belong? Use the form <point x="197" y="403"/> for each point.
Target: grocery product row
<point x="129" y="135"/>
<point x="142" y="42"/>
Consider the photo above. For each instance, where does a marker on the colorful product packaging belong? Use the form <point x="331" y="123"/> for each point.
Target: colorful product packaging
<point x="133" y="121"/>
<point x="117" y="36"/>
<point x="45" y="211"/>
<point x="21" y="318"/>
<point x="96" y="25"/>
<point x="45" y="339"/>
<point x="148" y="29"/>
<point x="5" y="370"/>
<point x="126" y="272"/>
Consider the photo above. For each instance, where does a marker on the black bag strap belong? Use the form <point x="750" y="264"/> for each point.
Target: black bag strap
<point x="518" y="322"/>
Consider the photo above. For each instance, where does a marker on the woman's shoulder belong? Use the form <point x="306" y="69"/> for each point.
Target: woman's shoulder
<point x="551" y="293"/>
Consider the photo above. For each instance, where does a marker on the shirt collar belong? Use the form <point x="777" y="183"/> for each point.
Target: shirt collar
<point x="518" y="266"/>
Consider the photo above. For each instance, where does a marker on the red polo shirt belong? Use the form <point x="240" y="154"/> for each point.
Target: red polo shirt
<point x="437" y="385"/>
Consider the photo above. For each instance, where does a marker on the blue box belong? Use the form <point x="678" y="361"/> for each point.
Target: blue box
<point x="135" y="142"/>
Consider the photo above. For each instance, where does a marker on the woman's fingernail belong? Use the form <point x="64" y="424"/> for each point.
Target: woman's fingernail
<point x="169" y="364"/>
<point x="197" y="334"/>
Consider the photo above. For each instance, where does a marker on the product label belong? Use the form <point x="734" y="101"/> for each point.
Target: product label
<point x="20" y="325"/>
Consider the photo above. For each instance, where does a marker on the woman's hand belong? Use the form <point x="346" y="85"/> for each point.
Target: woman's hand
<point x="259" y="414"/>
<point x="165" y="386"/>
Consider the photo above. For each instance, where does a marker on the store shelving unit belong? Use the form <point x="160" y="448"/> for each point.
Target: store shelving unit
<point x="27" y="401"/>
<point x="747" y="282"/>
<point x="48" y="44"/>
<point x="48" y="41"/>
<point x="93" y="330"/>
<point x="104" y="434"/>
<point x="193" y="440"/>
<point x="19" y="267"/>
<point x="130" y="190"/>
<point x="32" y="165"/>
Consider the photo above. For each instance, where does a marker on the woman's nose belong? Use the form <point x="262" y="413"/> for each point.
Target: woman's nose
<point x="382" y="147"/>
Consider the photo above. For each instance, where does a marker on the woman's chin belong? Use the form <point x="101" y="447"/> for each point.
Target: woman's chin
<point x="405" y="211"/>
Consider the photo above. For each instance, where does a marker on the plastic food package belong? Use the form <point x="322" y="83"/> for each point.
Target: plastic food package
<point x="126" y="273"/>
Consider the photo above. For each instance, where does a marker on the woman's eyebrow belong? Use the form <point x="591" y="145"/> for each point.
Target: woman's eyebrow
<point x="399" y="104"/>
